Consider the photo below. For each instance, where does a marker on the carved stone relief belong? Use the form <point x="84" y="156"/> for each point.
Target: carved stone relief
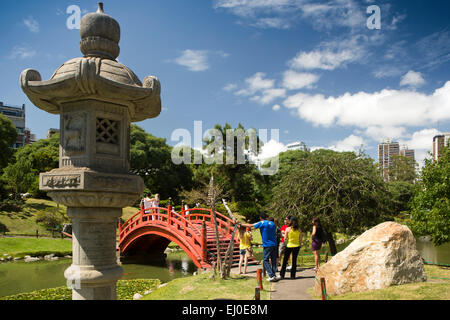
<point x="74" y="133"/>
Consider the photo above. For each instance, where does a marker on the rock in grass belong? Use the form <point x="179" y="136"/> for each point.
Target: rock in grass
<point x="382" y="256"/>
<point x="162" y="285"/>
<point x="31" y="259"/>
<point x="137" y="296"/>
<point x="147" y="292"/>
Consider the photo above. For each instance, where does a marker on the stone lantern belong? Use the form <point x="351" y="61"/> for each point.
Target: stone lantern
<point x="97" y="98"/>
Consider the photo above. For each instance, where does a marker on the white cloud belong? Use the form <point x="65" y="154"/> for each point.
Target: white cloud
<point x="261" y="89"/>
<point x="230" y="87"/>
<point x="276" y="107"/>
<point x="31" y="24"/>
<point x="283" y="14"/>
<point x="387" y="108"/>
<point x="351" y="143"/>
<point x="294" y="80"/>
<point x="269" y="95"/>
<point x="22" y="52"/>
<point x="379" y="133"/>
<point x="271" y="149"/>
<point x="256" y="83"/>
<point x="331" y="55"/>
<point x="422" y="142"/>
<point x="413" y="79"/>
<point x="194" y="60"/>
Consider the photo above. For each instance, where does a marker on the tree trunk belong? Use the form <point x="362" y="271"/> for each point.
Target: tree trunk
<point x="229" y="254"/>
<point x="331" y="243"/>
<point x="219" y="258"/>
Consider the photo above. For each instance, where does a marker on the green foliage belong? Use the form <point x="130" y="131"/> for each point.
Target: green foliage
<point x="8" y="135"/>
<point x="239" y="181"/>
<point x="344" y="189"/>
<point x="431" y="204"/>
<point x="151" y="159"/>
<point x="11" y="205"/>
<point x="22" y="174"/>
<point x="401" y="194"/>
<point x="402" y="169"/>
<point x="52" y="218"/>
<point x="19" y="176"/>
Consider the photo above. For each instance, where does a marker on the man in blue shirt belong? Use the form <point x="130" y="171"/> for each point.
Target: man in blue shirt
<point x="269" y="240"/>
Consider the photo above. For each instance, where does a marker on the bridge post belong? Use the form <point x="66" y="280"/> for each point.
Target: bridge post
<point x="169" y="214"/>
<point x="204" y="245"/>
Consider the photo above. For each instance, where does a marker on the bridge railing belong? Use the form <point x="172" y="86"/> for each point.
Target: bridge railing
<point x="186" y="223"/>
<point x="225" y="224"/>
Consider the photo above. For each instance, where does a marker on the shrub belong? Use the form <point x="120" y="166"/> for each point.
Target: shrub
<point x="52" y="219"/>
<point x="11" y="205"/>
<point x="251" y="214"/>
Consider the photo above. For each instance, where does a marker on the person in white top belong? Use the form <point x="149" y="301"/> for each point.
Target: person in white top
<point x="147" y="202"/>
<point x="155" y="204"/>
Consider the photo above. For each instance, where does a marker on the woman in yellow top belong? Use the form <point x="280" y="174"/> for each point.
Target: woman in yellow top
<point x="245" y="247"/>
<point x="293" y="239"/>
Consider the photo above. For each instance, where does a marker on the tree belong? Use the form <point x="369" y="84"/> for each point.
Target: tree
<point x="431" y="204"/>
<point x="19" y="177"/>
<point x="151" y="159"/>
<point x="402" y="169"/>
<point x="401" y="194"/>
<point x="344" y="189"/>
<point x="235" y="172"/>
<point x="8" y="135"/>
<point x="43" y="156"/>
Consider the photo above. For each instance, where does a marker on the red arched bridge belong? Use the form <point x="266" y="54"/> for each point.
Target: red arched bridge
<point x="151" y="231"/>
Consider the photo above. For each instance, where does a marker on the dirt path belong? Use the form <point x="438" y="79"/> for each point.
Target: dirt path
<point x="287" y="289"/>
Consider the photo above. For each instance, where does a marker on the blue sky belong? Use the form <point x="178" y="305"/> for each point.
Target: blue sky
<point x="312" y="69"/>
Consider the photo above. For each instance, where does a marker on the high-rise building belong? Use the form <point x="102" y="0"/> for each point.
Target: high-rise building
<point x="386" y="150"/>
<point x="51" y="132"/>
<point x="409" y="153"/>
<point x="297" y="146"/>
<point x="439" y="142"/>
<point x="17" y="115"/>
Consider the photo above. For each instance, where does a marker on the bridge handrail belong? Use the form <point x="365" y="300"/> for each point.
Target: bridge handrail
<point x="181" y="223"/>
<point x="176" y="218"/>
<point x="221" y="219"/>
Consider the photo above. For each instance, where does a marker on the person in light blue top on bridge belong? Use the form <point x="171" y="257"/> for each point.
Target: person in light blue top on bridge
<point x="269" y="241"/>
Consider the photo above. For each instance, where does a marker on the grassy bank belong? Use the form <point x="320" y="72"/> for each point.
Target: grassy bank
<point x="437" y="287"/>
<point x="202" y="287"/>
<point x="23" y="222"/>
<point x="125" y="291"/>
<point x="20" y="247"/>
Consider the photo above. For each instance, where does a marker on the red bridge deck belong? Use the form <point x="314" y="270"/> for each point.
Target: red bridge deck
<point x="193" y="230"/>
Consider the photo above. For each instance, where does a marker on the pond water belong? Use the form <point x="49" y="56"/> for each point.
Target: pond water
<point x="19" y="277"/>
<point x="432" y="253"/>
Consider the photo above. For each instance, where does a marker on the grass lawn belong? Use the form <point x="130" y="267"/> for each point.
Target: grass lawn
<point x="20" y="247"/>
<point x="201" y="287"/>
<point x="437" y="287"/>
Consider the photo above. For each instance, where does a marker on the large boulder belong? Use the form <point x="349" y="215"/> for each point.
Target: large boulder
<point x="382" y="256"/>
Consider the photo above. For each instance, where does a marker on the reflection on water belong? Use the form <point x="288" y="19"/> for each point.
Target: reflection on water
<point x="431" y="253"/>
<point x="20" y="277"/>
